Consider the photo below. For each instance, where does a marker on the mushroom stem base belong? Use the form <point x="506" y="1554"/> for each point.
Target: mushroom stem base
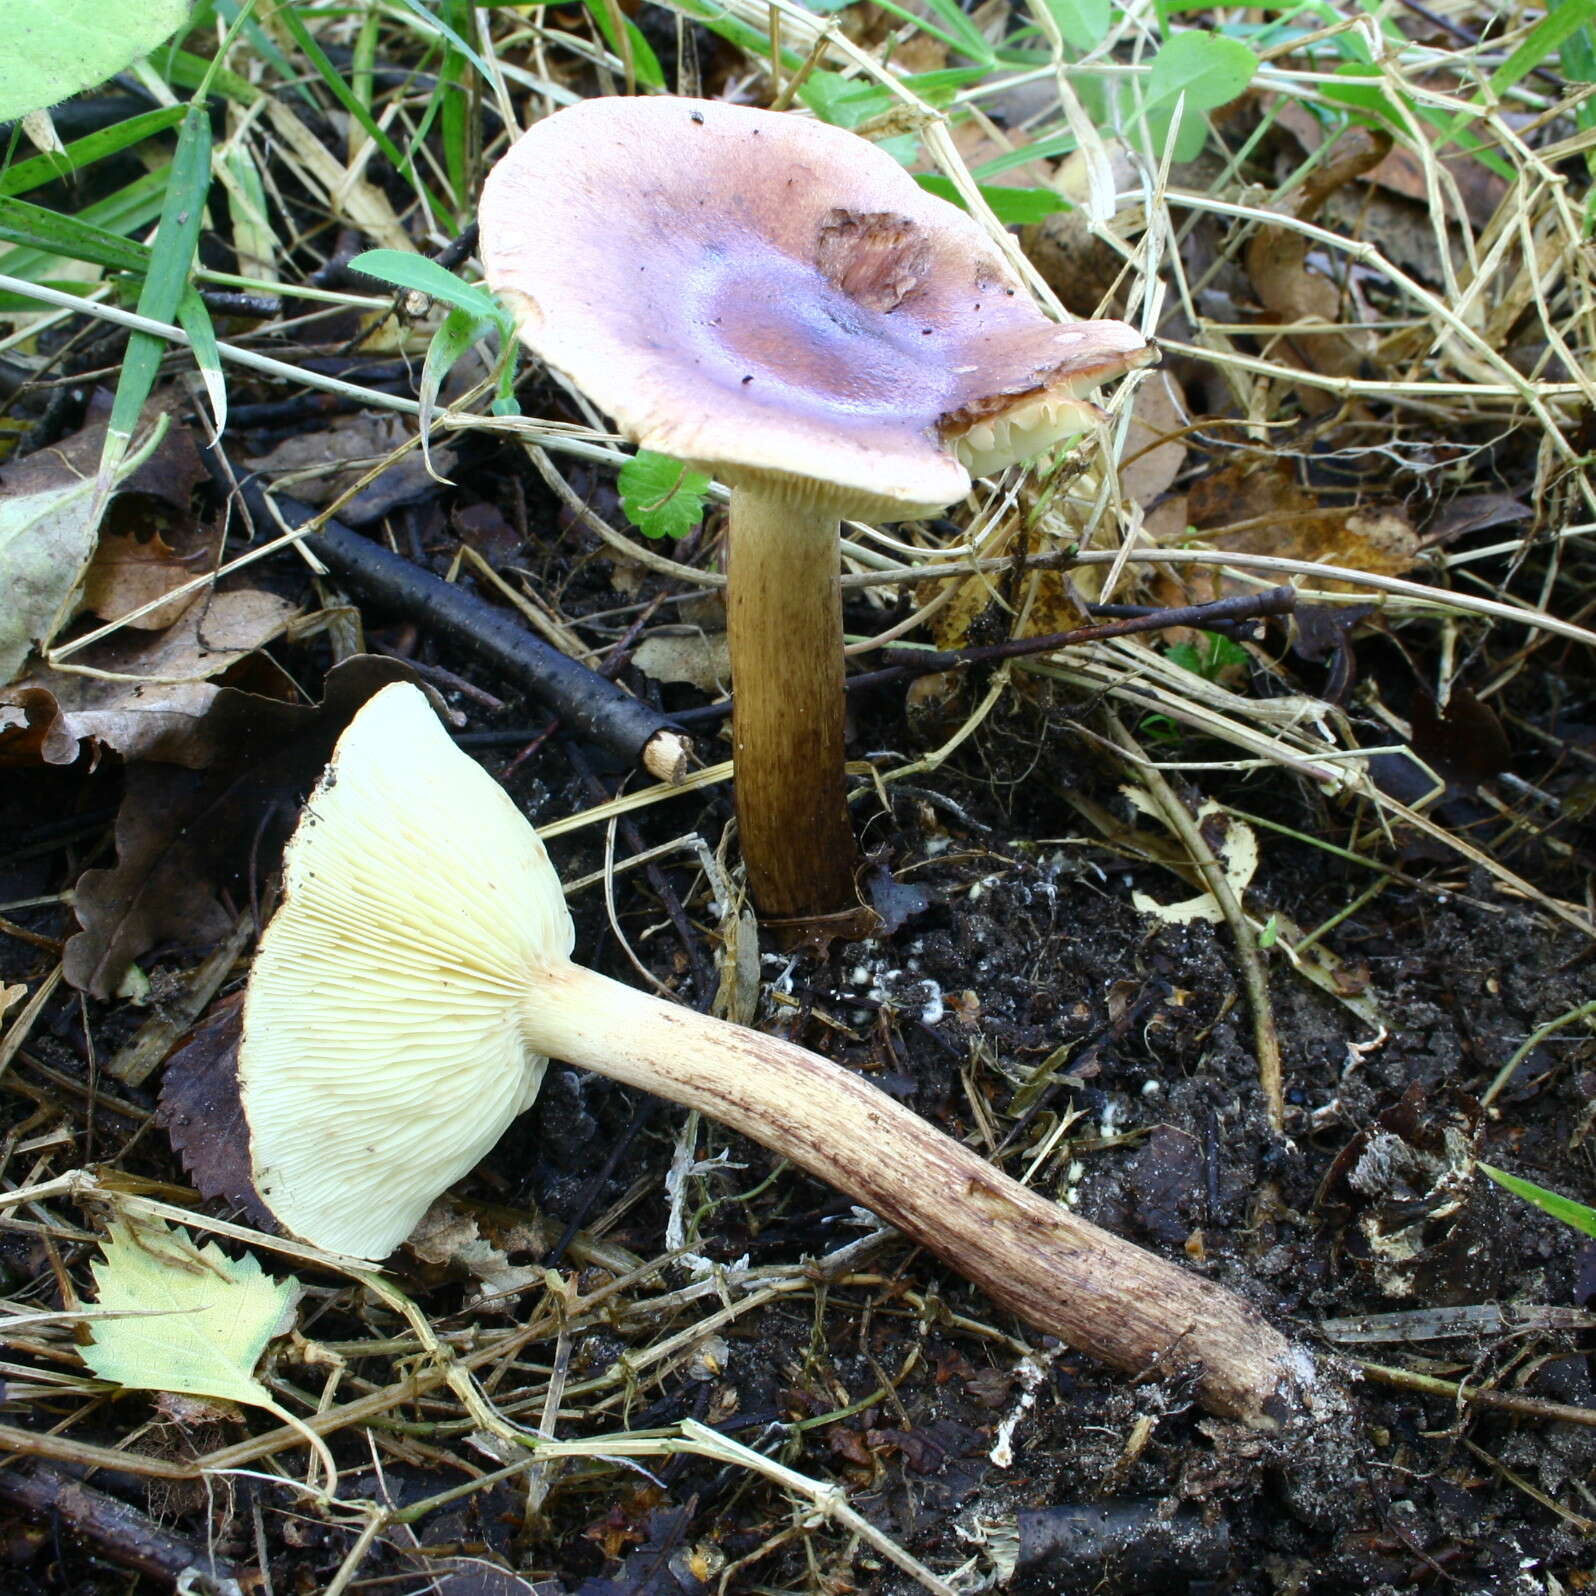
<point x="784" y="628"/>
<point x="1101" y="1294"/>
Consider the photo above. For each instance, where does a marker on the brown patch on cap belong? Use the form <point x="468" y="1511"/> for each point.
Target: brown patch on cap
<point x="877" y="260"/>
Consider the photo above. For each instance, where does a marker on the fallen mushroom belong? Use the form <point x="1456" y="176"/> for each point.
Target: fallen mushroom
<point x="406" y="994"/>
<point x="779" y="302"/>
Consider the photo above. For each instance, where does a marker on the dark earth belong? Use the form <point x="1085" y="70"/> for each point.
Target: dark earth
<point x="1020" y="986"/>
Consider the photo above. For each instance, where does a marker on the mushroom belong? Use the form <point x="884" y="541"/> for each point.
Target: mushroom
<point x="417" y="974"/>
<point x="778" y="302"/>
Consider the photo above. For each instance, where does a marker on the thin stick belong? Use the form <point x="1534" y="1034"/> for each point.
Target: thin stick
<point x="1453" y="1391"/>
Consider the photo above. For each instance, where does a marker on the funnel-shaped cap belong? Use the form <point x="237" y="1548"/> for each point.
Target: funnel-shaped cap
<point x="780" y="301"/>
<point x="382" y="1053"/>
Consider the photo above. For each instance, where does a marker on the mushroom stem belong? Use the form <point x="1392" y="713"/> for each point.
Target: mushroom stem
<point x="784" y="628"/>
<point x="1104" y="1296"/>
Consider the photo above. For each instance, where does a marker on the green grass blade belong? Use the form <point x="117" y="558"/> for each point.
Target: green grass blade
<point x="184" y="70"/>
<point x="340" y="91"/>
<point x="49" y="234"/>
<point x="1564" y="1208"/>
<point x="1545" y="39"/>
<point x="195" y="320"/>
<point x="1011" y="206"/>
<point x="171" y="258"/>
<point x="265" y="47"/>
<point x="432" y="23"/>
<point x="40" y="169"/>
<point x="456" y="112"/>
<point x="961" y="35"/>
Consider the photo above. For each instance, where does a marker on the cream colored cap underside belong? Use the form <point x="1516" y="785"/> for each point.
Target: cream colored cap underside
<point x="382" y="1054"/>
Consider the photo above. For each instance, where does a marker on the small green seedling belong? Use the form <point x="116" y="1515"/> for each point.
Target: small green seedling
<point x="662" y="497"/>
<point x="474" y="311"/>
<point x="1209" y="659"/>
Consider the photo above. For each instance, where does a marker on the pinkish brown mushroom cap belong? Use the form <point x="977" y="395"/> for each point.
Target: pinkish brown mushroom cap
<point x="778" y="300"/>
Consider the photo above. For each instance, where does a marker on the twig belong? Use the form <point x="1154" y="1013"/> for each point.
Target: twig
<point x="1531" y="1042"/>
<point x="908" y="663"/>
<point x="590" y="704"/>
<point x="118" y="1531"/>
<point x="1453" y="1391"/>
<point x="1241" y="607"/>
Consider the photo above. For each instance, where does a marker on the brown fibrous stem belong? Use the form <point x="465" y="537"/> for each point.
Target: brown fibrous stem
<point x="784" y="630"/>
<point x="1099" y="1293"/>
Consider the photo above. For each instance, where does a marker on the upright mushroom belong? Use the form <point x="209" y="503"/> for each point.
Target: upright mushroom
<point x="418" y="971"/>
<point x="778" y="302"/>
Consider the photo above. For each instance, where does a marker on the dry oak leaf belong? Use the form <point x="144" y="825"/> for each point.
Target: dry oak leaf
<point x="185" y="836"/>
<point x="129" y="571"/>
<point x="49" y="522"/>
<point x="149" y="696"/>
<point x="1266" y="511"/>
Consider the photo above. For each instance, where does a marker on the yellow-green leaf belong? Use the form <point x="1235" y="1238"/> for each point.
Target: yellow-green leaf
<point x="50" y="49"/>
<point x="203" y="1318"/>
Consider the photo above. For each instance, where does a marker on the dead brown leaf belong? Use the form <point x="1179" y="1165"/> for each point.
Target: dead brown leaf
<point x="982" y="612"/>
<point x="318" y="467"/>
<point x="129" y="571"/>
<point x="1264" y="510"/>
<point x="1291" y="287"/>
<point x="185" y="837"/>
<point x="702" y="659"/>
<point x="144" y="697"/>
<point x="201" y="1111"/>
<point x="1155" y="450"/>
<point x="50" y="522"/>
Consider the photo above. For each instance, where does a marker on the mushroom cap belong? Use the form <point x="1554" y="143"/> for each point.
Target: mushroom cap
<point x="382" y="1052"/>
<point x="778" y="301"/>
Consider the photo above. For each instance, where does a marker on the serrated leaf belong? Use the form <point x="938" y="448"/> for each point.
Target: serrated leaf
<point x="203" y="1318"/>
<point x="51" y="49"/>
<point x="662" y="497"/>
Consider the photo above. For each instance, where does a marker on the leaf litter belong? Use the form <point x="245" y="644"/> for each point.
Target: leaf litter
<point x="1371" y="284"/>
